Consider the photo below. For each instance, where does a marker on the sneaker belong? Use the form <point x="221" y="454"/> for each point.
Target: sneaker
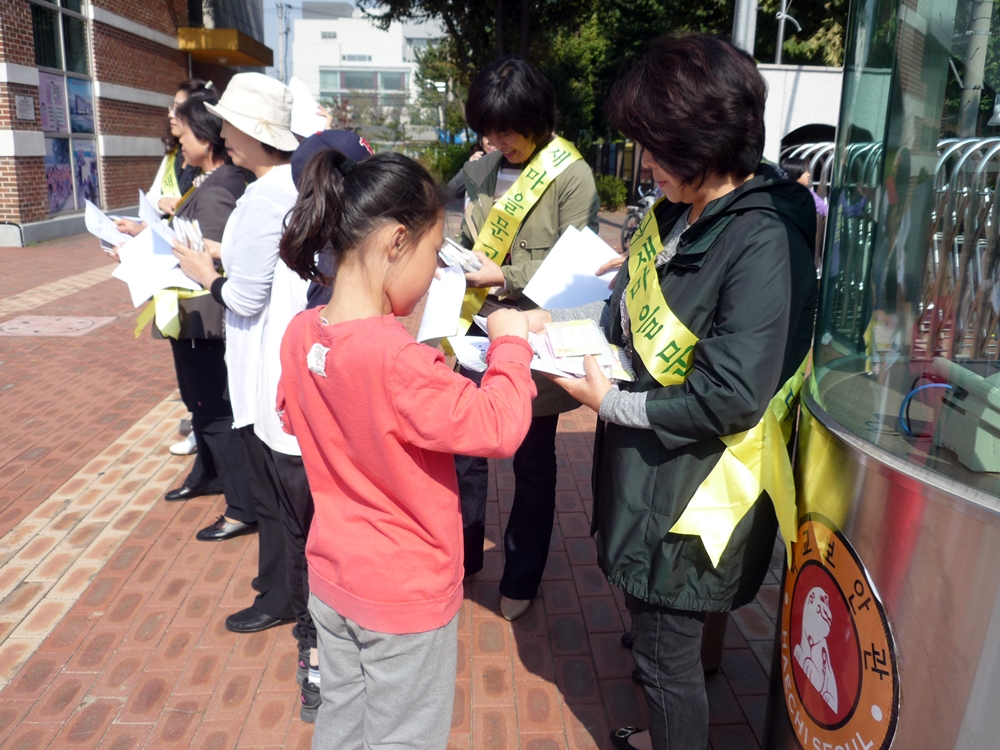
<point x="302" y="671"/>
<point x="185" y="447"/>
<point x="310" y="701"/>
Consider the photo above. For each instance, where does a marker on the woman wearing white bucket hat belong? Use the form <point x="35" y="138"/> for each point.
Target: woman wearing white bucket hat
<point x="260" y="295"/>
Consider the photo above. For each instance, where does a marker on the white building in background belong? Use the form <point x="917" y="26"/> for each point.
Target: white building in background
<point x="339" y="53"/>
<point x="798" y="95"/>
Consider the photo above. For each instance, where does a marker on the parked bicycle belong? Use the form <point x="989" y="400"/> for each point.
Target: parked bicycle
<point x="635" y="214"/>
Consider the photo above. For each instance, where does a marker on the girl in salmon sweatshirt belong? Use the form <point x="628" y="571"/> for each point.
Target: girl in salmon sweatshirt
<point x="378" y="418"/>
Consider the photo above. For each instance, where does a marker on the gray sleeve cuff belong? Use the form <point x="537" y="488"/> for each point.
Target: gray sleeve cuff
<point x="625" y="408"/>
<point x="596" y="311"/>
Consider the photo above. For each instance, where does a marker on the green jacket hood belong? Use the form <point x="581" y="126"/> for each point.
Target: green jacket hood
<point x="767" y="191"/>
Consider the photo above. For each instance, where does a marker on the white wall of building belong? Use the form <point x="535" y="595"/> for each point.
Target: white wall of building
<point x="798" y="95"/>
<point x="358" y="47"/>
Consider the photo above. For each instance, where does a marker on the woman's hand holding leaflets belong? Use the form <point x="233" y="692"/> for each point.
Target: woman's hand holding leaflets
<point x="489" y="275"/>
<point x="168" y="205"/>
<point x="589" y="390"/>
<point x="129" y="227"/>
<point x="611" y="265"/>
<point x="197" y="266"/>
<point x="213" y="248"/>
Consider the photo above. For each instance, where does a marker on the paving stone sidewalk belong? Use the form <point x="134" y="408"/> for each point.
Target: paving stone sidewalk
<point x="111" y="616"/>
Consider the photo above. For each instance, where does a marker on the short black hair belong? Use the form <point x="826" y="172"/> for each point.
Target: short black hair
<point x="697" y="104"/>
<point x="271" y="151"/>
<point x="205" y="126"/>
<point x="510" y="96"/>
<point x="794" y="167"/>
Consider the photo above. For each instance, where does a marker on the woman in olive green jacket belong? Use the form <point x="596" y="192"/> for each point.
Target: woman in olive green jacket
<point x="512" y="104"/>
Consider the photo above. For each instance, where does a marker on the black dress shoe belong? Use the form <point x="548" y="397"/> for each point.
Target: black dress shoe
<point x="222" y="529"/>
<point x="251" y="620"/>
<point x="186" y="493"/>
<point x="619" y="738"/>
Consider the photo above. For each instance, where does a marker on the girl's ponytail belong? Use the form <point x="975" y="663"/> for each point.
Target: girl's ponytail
<point x="344" y="203"/>
<point x="317" y="214"/>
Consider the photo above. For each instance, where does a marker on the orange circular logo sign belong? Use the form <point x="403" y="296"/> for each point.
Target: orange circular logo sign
<point x="838" y="663"/>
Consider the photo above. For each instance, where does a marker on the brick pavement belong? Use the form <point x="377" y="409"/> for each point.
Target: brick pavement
<point x="111" y="621"/>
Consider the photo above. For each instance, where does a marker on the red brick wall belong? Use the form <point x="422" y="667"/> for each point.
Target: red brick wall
<point x="126" y="118"/>
<point x="162" y="15"/>
<point x="17" y="40"/>
<point x="8" y="107"/>
<point x="128" y="60"/>
<point x="124" y="175"/>
<point x="23" y="196"/>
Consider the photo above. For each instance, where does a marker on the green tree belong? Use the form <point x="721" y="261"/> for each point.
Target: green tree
<point x="584" y="45"/>
<point x="821" y="41"/>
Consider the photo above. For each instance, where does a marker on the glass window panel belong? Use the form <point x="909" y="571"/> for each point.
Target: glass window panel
<point x="75" y="41"/>
<point x="329" y="79"/>
<point x="357" y="80"/>
<point x="328" y="35"/>
<point x="44" y="23"/>
<point x="392" y="81"/>
<point x="76" y="5"/>
<point x="392" y="100"/>
<point x="359" y="101"/>
<point x="906" y="353"/>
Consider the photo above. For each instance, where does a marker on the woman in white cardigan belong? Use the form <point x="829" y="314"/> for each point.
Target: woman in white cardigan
<point x="261" y="296"/>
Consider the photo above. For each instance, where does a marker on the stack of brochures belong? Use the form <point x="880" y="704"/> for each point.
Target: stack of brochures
<point x="559" y="350"/>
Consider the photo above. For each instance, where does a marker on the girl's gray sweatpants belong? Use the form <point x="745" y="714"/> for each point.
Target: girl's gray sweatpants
<point x="385" y="691"/>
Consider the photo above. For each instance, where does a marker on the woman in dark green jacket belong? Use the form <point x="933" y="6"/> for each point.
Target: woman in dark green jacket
<point x="715" y="308"/>
<point x="521" y="198"/>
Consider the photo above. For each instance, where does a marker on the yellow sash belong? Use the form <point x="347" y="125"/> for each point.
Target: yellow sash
<point x="496" y="237"/>
<point x="755" y="460"/>
<point x="168" y="185"/>
<point x="664" y="344"/>
<point x="165" y="308"/>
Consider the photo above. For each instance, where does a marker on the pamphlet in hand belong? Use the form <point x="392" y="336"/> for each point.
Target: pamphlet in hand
<point x="102" y="226"/>
<point x="147" y="271"/>
<point x="453" y="254"/>
<point x="149" y="214"/>
<point x="567" y="276"/>
<point x="443" y="305"/>
<point x="561" y="348"/>
<point x="306" y="119"/>
<point x="574" y="340"/>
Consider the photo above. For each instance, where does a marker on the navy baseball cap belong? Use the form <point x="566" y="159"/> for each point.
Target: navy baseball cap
<point x="350" y="144"/>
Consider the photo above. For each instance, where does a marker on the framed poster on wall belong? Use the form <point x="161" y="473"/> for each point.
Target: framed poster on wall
<point x="52" y="103"/>
<point x="85" y="171"/>
<point x="80" y="94"/>
<point x="58" y="175"/>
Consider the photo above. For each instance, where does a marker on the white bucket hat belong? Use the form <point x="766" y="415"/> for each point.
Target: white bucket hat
<point x="261" y="107"/>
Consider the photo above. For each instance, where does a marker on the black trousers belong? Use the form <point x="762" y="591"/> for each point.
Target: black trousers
<point x="666" y="646"/>
<point x="529" y="528"/>
<point x="221" y="462"/>
<point x="296" y="519"/>
<point x="274" y="597"/>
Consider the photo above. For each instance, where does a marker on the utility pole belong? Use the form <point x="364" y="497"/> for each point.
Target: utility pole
<point x="745" y="25"/>
<point x="283" y="41"/>
<point x="978" y="34"/>
<point x="782" y="17"/>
